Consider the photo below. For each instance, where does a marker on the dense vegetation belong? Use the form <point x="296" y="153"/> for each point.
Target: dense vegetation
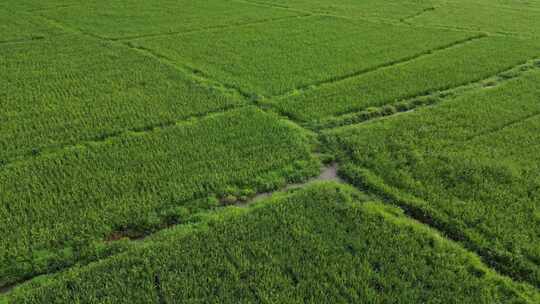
<point x="134" y="18"/>
<point x="139" y="182"/>
<point x="128" y="128"/>
<point x="323" y="244"/>
<point x="295" y="53"/>
<point x="94" y="90"/>
<point x="439" y="70"/>
<point x="468" y="166"/>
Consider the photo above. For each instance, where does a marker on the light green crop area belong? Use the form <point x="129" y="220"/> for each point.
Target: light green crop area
<point x="469" y="166"/>
<point x="321" y="244"/>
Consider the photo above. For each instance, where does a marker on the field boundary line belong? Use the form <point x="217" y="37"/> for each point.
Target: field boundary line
<point x="317" y="84"/>
<point x="17" y="41"/>
<point x="498" y="128"/>
<point x="53" y="150"/>
<point x="276" y="6"/>
<point x="184" y="69"/>
<point x="412" y="103"/>
<point x="327" y="173"/>
<point x="206" y="29"/>
<point x="417" y="14"/>
<point x="417" y="209"/>
<point x="248" y="97"/>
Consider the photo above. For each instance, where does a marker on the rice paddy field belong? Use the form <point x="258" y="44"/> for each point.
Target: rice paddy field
<point x="270" y="151"/>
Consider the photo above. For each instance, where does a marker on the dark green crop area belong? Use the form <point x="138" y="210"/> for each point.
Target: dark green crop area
<point x="469" y="166"/>
<point x="324" y="244"/>
<point x="269" y="151"/>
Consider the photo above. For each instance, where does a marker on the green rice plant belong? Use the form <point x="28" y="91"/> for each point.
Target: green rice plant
<point x="297" y="53"/>
<point x="372" y="9"/>
<point x="323" y="244"/>
<point x="468" y="166"/>
<point x="70" y="89"/>
<point x="441" y="70"/>
<point x="135" y="18"/>
<point x="56" y="206"/>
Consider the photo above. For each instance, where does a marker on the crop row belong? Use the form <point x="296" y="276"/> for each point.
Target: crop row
<point x="54" y="208"/>
<point x="64" y="90"/>
<point x="468" y="166"/>
<point x="441" y="70"/>
<point x="325" y="243"/>
<point x="295" y="53"/>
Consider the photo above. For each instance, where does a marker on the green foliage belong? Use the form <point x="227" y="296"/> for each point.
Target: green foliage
<point x="133" y="18"/>
<point x="509" y="17"/>
<point x="468" y="166"/>
<point x="319" y="244"/>
<point x="135" y="183"/>
<point x="296" y="53"/>
<point x="128" y="127"/>
<point x="441" y="70"/>
<point x="92" y="91"/>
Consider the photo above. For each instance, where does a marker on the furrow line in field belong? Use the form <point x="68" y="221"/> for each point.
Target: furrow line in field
<point x="385" y="21"/>
<point x="195" y="74"/>
<point x="48" y="151"/>
<point x="328" y="173"/>
<point x="392" y="63"/>
<point x="209" y="81"/>
<point x="418" y="14"/>
<point x="498" y="128"/>
<point x="370" y="183"/>
<point x="411" y="103"/>
<point x="22" y="40"/>
<point x="52" y="8"/>
<point x="208" y="29"/>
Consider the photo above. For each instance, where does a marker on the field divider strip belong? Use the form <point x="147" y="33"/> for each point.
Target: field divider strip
<point x="193" y="73"/>
<point x="421" y="100"/>
<point x="496" y="129"/>
<point x="328" y="173"/>
<point x="385" y="21"/>
<point x="249" y="97"/>
<point x="53" y="150"/>
<point x="331" y="80"/>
